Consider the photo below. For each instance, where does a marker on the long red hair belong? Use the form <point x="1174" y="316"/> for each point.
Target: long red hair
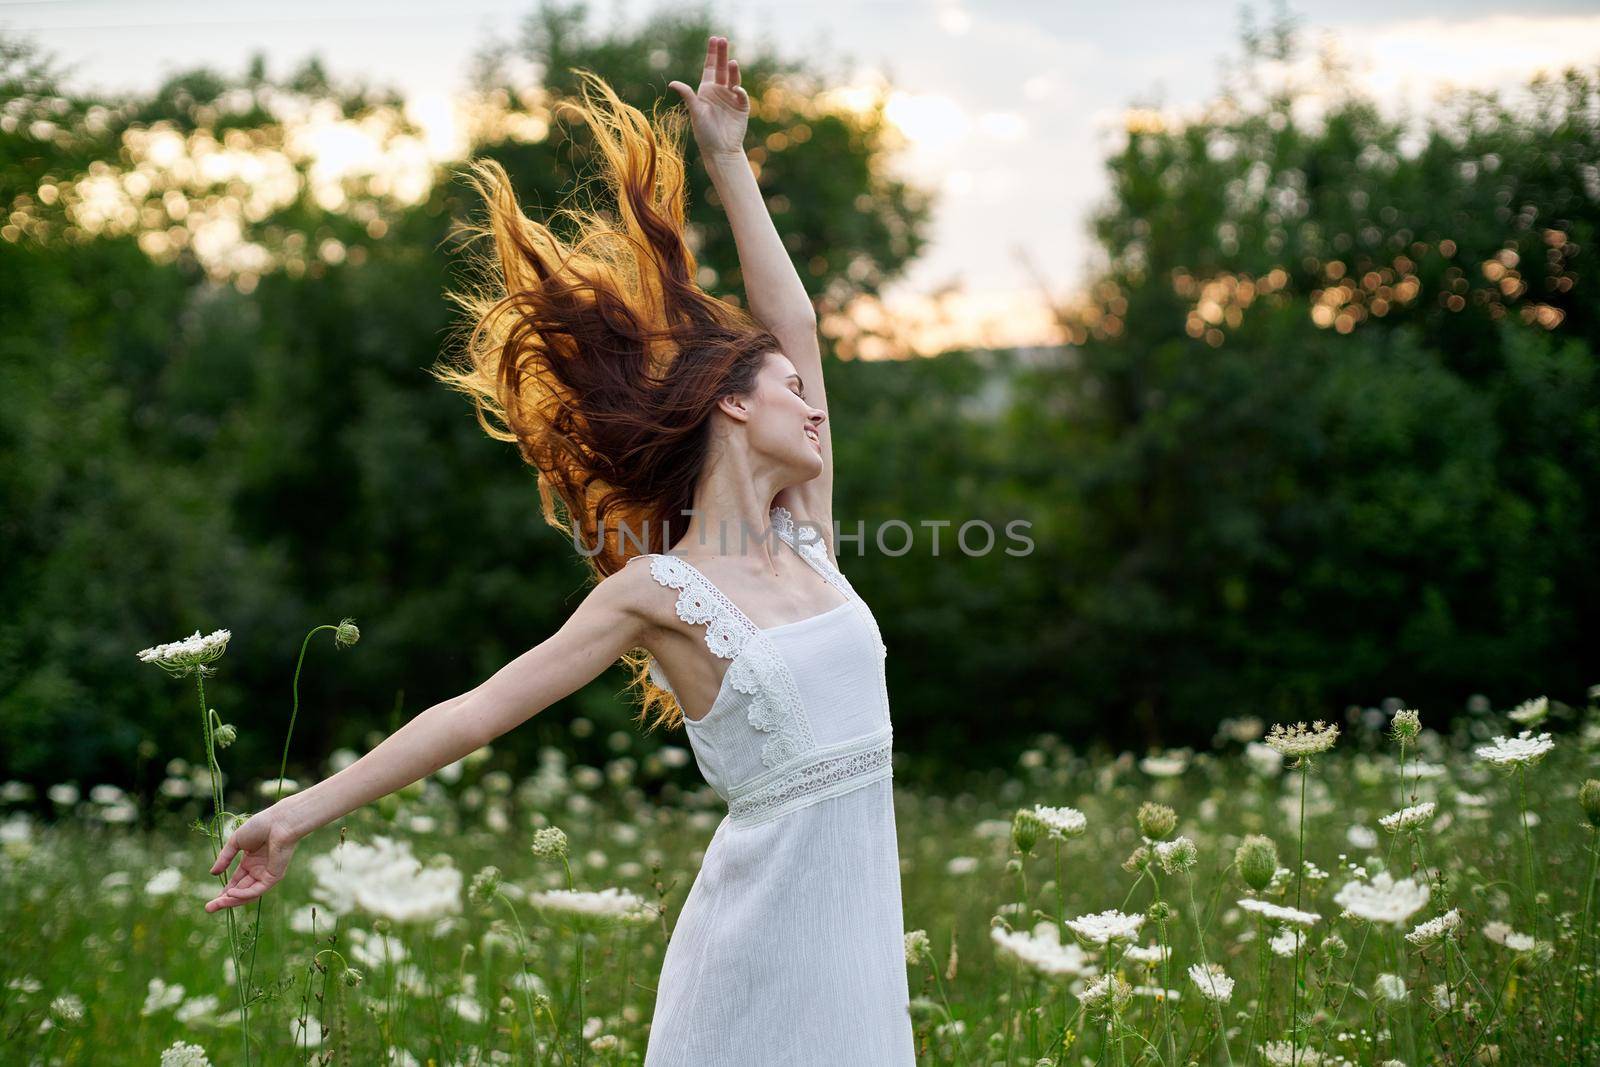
<point x="600" y="357"/>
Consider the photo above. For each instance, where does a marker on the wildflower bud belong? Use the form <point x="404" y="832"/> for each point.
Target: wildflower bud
<point x="1159" y="912"/>
<point x="1137" y="860"/>
<point x="485" y="884"/>
<point x="1025" y="830"/>
<point x="1406" y="725"/>
<point x="381" y="925"/>
<point x="1333" y="947"/>
<point x="346" y="633"/>
<point x="1589" y="797"/>
<point x="1156" y="821"/>
<point x="352" y="977"/>
<point x="549" y="841"/>
<point x="1178" y="855"/>
<point x="225" y="735"/>
<point x="1013" y="865"/>
<point x="917" y="945"/>
<point x="541" y="1002"/>
<point x="1257" y="859"/>
<point x="507" y="1005"/>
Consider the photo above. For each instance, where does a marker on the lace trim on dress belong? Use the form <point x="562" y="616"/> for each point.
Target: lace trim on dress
<point x="815" y="552"/>
<point x="757" y="670"/>
<point x="866" y="760"/>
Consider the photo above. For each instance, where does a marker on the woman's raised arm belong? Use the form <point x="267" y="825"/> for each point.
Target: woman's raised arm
<point x="610" y="621"/>
<point x="719" y="113"/>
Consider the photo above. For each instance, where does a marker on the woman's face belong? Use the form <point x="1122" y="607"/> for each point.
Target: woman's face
<point x="782" y="426"/>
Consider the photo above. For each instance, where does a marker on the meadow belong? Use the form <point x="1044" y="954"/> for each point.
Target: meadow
<point x="1372" y="892"/>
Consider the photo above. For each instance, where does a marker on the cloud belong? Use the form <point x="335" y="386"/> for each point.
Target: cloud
<point x="1414" y="58"/>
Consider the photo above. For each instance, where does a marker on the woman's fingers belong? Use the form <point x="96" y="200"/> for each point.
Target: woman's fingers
<point x="224" y="857"/>
<point x="733" y="73"/>
<point x="683" y="91"/>
<point x="244" y="887"/>
<point x="709" y="74"/>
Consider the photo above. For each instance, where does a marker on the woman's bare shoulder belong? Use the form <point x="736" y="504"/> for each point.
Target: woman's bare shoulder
<point x="635" y="586"/>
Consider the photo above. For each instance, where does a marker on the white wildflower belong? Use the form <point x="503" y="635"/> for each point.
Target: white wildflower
<point x="160" y="996"/>
<point x="189" y="655"/>
<point x="184" y="1054"/>
<point x="386" y="880"/>
<point x="1278" y="912"/>
<point x="1263" y="760"/>
<point x="1362" y="837"/>
<point x="1383" y="899"/>
<point x="1408" y="818"/>
<point x="1103" y="927"/>
<point x="1530" y="712"/>
<point x="549" y="842"/>
<point x="1042" y="950"/>
<point x="1213" y="983"/>
<point x="1151" y="954"/>
<point x="1522" y="750"/>
<point x="164" y="882"/>
<point x="1286" y="943"/>
<point x="68" y="1007"/>
<point x="1298" y="740"/>
<point x="1168" y="766"/>
<point x="1063" y="822"/>
<point x="1390" y="987"/>
<point x="197" y="1008"/>
<point x="375" y="950"/>
<point x="961" y="865"/>
<point x="1108" y="993"/>
<point x="465" y="1006"/>
<point x="1435" y="929"/>
<point x="1284" y="1054"/>
<point x="591" y="909"/>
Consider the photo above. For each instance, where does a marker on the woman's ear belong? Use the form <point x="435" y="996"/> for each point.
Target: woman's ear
<point x="734" y="406"/>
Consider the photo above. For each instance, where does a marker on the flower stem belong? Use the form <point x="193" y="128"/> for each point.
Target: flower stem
<point x="214" y="829"/>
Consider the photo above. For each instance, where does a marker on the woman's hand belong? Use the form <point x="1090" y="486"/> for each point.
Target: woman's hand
<point x="721" y="110"/>
<point x="264" y="842"/>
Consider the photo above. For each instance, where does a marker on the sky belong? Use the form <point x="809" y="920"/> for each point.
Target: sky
<point x="1010" y="106"/>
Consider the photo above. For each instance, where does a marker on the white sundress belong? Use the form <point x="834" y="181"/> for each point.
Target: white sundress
<point x="790" y="947"/>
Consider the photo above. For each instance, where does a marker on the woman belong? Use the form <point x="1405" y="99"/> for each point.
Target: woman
<point x="660" y="418"/>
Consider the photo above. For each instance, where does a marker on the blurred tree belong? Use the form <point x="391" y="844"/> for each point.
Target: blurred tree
<point x="1335" y="429"/>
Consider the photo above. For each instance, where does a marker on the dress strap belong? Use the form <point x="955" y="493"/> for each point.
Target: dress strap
<point x="756" y="670"/>
<point x="700" y="602"/>
<point x="814" y="552"/>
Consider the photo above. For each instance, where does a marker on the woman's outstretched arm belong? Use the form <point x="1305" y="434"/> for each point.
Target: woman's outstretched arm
<point x="610" y="621"/>
<point x="720" y="114"/>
